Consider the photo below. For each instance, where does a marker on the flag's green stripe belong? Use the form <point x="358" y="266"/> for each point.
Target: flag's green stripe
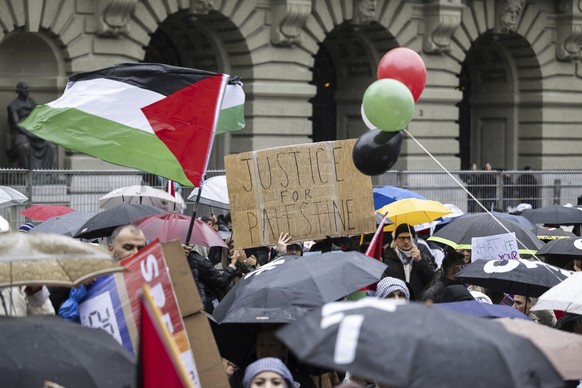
<point x="106" y="140"/>
<point x="231" y="119"/>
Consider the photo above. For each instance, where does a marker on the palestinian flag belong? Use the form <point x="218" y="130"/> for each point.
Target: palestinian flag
<point x="156" y="118"/>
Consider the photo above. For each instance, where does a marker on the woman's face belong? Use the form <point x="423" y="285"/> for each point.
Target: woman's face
<point x="229" y="367"/>
<point x="268" y="379"/>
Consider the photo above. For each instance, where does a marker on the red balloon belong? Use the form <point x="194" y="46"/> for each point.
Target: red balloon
<point x="406" y="66"/>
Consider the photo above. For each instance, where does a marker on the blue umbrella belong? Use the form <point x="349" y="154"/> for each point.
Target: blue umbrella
<point x="388" y="194"/>
<point x="483" y="310"/>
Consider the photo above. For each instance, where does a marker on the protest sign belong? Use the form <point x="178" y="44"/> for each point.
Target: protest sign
<point x="113" y="303"/>
<point x="310" y="191"/>
<point x="208" y="360"/>
<point x="496" y="247"/>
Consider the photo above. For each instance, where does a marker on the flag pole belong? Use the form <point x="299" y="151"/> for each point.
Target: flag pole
<point x="193" y="219"/>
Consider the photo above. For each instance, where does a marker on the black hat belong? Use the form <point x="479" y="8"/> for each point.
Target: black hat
<point x="404" y="228"/>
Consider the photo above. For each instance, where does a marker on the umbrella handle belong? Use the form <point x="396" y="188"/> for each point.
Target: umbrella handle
<point x="193" y="219"/>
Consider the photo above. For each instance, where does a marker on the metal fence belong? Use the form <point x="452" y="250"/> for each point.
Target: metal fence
<point x="504" y="190"/>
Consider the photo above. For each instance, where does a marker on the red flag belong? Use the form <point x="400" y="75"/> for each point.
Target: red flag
<point x="170" y="188"/>
<point x="159" y="362"/>
<point x="375" y="248"/>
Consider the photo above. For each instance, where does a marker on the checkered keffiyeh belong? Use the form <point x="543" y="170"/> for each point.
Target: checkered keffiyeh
<point x="388" y="285"/>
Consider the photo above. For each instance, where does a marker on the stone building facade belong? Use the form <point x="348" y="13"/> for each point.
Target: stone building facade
<point x="504" y="78"/>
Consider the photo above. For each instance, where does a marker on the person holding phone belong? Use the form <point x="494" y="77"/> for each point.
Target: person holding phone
<point x="408" y="261"/>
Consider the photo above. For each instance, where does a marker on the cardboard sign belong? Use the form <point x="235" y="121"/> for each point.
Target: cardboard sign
<point x="309" y="191"/>
<point x="208" y="360"/>
<point x="113" y="303"/>
<point x="496" y="247"/>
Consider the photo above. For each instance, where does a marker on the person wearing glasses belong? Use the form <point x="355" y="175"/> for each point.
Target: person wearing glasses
<point x="125" y="241"/>
<point x="408" y="261"/>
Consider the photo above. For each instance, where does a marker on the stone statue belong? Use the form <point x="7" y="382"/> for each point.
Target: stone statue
<point x="24" y="149"/>
<point x="508" y="15"/>
<point x="365" y="11"/>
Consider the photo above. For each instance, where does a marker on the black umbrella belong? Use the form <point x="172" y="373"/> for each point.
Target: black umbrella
<point x="554" y="215"/>
<point x="561" y="252"/>
<point x="415" y="345"/>
<point x="521" y="277"/>
<point x="67" y="224"/>
<point x="459" y="232"/>
<point x="285" y="288"/>
<point x="546" y="235"/>
<point x="105" y="222"/>
<point x="564" y="247"/>
<point x="39" y="349"/>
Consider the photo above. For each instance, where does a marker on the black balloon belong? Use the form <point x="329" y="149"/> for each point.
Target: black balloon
<point x="376" y="151"/>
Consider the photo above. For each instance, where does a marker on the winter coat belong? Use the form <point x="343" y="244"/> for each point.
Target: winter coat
<point x="436" y="290"/>
<point x="420" y="275"/>
<point x="16" y="303"/>
<point x="212" y="283"/>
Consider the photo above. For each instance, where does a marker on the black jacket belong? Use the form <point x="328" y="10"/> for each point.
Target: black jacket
<point x="436" y="290"/>
<point x="212" y="283"/>
<point x="420" y="275"/>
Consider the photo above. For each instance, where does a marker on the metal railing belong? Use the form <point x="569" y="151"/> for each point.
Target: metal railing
<point x="503" y="190"/>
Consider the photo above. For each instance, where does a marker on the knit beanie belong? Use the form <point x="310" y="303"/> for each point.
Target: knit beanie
<point x="404" y="228"/>
<point x="270" y="364"/>
<point x="388" y="285"/>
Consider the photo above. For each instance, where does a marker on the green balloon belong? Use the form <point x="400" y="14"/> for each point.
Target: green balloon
<point x="388" y="104"/>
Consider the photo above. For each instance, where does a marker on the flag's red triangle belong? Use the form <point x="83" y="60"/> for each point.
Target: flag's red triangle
<point x="185" y="122"/>
<point x="159" y="363"/>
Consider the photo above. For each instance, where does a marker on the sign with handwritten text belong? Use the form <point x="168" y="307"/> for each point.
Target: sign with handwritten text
<point x="309" y="191"/>
<point x="496" y="247"/>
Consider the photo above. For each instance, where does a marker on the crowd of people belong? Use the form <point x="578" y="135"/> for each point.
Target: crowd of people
<point x="483" y="184"/>
<point x="412" y="274"/>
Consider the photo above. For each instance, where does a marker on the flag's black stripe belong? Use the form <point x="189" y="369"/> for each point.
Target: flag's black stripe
<point x="160" y="78"/>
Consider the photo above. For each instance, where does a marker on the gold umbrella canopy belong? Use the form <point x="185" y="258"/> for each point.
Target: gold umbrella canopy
<point x="51" y="259"/>
<point x="413" y="211"/>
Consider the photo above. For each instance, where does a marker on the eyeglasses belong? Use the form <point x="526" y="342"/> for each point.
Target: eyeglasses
<point x="131" y="247"/>
<point x="404" y="238"/>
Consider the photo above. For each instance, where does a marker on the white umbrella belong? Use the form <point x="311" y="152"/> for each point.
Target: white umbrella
<point x="214" y="193"/>
<point x="565" y="296"/>
<point x="4" y="225"/>
<point x="144" y="195"/>
<point x="10" y="197"/>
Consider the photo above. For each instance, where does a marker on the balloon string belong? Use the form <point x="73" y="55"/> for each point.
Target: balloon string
<point x="469" y="193"/>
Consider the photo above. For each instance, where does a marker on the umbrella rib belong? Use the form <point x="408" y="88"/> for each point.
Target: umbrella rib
<point x="64" y="270"/>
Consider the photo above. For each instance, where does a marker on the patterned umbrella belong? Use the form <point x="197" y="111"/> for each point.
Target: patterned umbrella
<point x="51" y="259"/>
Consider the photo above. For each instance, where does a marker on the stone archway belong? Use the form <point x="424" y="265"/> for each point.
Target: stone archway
<point x="344" y="66"/>
<point x="33" y="58"/>
<point x="488" y="113"/>
<point x="502" y="84"/>
<point x="187" y="40"/>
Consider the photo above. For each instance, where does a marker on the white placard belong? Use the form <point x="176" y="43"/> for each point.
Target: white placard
<point x="99" y="313"/>
<point x="496" y="247"/>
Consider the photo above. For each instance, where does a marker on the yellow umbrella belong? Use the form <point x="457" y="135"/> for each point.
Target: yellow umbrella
<point x="413" y="211"/>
